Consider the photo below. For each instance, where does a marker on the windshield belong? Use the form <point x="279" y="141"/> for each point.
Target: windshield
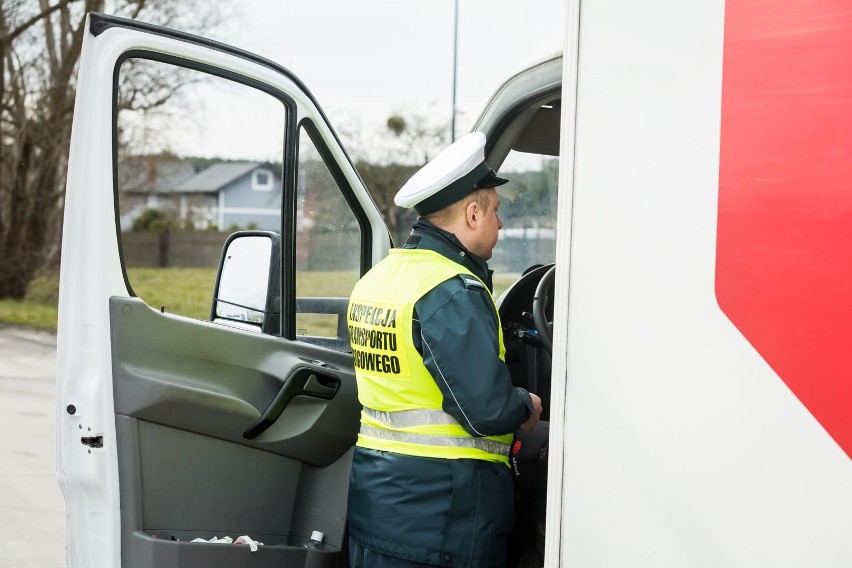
<point x="528" y="212"/>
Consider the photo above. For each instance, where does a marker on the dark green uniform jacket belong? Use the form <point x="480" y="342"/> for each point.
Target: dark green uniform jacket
<point x="446" y="512"/>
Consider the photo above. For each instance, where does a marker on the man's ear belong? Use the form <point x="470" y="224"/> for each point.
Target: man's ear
<point x="472" y="214"/>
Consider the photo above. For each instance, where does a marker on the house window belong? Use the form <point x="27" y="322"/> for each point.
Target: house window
<point x="261" y="180"/>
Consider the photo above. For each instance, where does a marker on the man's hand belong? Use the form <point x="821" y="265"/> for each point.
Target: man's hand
<point x="531" y="421"/>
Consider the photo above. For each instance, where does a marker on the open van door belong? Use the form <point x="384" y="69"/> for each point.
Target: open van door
<point x="173" y="426"/>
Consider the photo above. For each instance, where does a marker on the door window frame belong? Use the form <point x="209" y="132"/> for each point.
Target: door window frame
<point x="289" y="241"/>
<point x="290" y="160"/>
<point x="288" y="178"/>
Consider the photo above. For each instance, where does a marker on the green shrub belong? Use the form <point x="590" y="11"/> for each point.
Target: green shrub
<point x="153" y="220"/>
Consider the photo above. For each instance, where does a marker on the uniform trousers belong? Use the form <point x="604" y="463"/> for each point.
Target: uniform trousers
<point x="361" y="557"/>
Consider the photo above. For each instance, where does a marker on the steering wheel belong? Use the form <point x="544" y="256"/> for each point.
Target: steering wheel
<point x="543" y="292"/>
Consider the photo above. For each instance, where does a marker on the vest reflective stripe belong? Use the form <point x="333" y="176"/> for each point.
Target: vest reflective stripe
<point x="409" y="418"/>
<point x="485" y="444"/>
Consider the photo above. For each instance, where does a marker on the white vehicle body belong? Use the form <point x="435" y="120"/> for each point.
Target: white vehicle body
<point x="696" y="418"/>
<point x="681" y="443"/>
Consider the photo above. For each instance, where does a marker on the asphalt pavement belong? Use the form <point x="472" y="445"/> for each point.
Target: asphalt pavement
<point x="32" y="509"/>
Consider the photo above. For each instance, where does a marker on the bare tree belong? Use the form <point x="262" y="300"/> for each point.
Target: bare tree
<point x="384" y="181"/>
<point x="40" y="44"/>
<point x="407" y="141"/>
<point x="418" y="136"/>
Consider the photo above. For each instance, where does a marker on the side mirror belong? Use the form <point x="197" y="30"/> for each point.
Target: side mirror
<point x="248" y="283"/>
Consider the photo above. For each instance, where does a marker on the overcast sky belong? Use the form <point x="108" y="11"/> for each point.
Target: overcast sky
<point x="366" y="59"/>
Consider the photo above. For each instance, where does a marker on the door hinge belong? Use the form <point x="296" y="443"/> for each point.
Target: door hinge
<point x="92" y="441"/>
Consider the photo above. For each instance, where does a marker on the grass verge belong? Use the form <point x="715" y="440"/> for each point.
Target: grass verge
<point x="29" y="314"/>
<point x="185" y="291"/>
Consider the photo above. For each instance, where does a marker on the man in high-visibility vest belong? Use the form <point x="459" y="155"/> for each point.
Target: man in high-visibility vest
<point x="430" y="482"/>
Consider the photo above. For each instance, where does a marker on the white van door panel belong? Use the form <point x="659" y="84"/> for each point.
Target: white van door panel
<point x="155" y="439"/>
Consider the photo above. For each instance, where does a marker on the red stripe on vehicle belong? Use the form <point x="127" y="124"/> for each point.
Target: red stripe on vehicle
<point x="784" y="258"/>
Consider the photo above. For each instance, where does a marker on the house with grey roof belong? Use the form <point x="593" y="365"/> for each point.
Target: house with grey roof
<point x="148" y="182"/>
<point x="224" y="195"/>
<point x="245" y="194"/>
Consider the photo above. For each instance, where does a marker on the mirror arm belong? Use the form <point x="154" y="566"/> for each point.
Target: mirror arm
<point x="264" y="312"/>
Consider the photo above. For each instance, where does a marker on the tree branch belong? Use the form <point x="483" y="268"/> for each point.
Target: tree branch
<point x="140" y="5"/>
<point x="49" y="39"/>
<point x="64" y="29"/>
<point x="13" y="35"/>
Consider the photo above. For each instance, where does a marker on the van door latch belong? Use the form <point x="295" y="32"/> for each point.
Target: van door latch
<point x="92" y="441"/>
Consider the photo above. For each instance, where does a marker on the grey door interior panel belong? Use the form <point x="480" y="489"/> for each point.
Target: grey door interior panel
<point x="217" y="381"/>
<point x="178" y="485"/>
<point x="185" y="393"/>
<point x="195" y="482"/>
<point x="321" y="501"/>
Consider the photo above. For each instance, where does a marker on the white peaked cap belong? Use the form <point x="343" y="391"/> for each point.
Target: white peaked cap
<point x="457" y="171"/>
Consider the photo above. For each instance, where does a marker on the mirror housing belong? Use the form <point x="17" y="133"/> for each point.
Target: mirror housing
<point x="248" y="284"/>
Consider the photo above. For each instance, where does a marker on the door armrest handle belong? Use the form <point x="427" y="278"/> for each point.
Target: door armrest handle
<point x="302" y="381"/>
<point x="324" y="387"/>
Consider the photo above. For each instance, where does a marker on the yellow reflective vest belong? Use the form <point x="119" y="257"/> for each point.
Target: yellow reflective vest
<point x="402" y="403"/>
